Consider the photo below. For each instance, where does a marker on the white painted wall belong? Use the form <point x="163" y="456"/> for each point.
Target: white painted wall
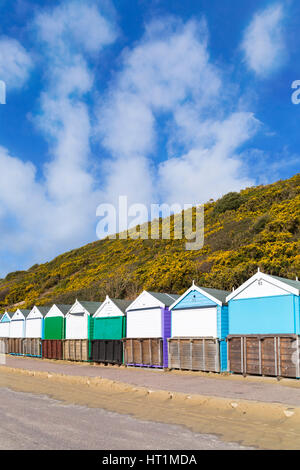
<point x="194" y="322"/>
<point x="260" y="288"/>
<point x="77" y="326"/>
<point x="144" y="323"/>
<point x="33" y="328"/>
<point x="4" y="329"/>
<point x="16" y="329"/>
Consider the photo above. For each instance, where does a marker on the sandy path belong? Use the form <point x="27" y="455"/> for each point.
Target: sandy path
<point x="247" y="423"/>
<point x="286" y="391"/>
<point x="30" y="422"/>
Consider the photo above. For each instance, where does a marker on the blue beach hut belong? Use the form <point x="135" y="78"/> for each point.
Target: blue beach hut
<point x="199" y="326"/>
<point x="264" y="326"/>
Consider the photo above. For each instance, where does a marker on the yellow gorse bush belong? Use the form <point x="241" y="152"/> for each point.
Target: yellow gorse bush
<point x="258" y="227"/>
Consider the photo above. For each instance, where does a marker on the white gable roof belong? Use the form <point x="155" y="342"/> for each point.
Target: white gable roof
<point x="108" y="309"/>
<point x="35" y="313"/>
<point x="55" y="311"/>
<point x="263" y="285"/>
<point x="145" y="300"/>
<point x="77" y="308"/>
<point x="18" y="315"/>
<point x="87" y="307"/>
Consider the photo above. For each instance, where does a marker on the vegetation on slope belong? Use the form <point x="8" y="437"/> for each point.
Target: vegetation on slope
<point x="258" y="227"/>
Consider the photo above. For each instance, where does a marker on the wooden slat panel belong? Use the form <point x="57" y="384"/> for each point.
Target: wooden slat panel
<point x="194" y="354"/>
<point x="144" y="351"/>
<point x="76" y="350"/>
<point x="235" y="355"/>
<point x="272" y="355"/>
<point x="268" y="357"/>
<point x="252" y="356"/>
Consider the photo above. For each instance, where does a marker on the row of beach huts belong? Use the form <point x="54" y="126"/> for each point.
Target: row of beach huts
<point x="254" y="329"/>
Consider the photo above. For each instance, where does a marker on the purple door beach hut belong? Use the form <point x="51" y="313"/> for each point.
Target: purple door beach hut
<point x="148" y="329"/>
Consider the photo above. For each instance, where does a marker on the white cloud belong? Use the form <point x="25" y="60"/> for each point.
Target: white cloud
<point x="75" y="23"/>
<point x="15" y="63"/>
<point x="263" y="43"/>
<point x="210" y="170"/>
<point x="54" y="213"/>
<point x="169" y="88"/>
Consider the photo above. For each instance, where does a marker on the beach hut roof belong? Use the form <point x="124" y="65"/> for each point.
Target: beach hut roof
<point x="216" y="295"/>
<point x="25" y="312"/>
<point x="164" y="300"/>
<point x="121" y="304"/>
<point x="63" y="308"/>
<point x="289" y="282"/>
<point x="9" y="314"/>
<point x="289" y="285"/>
<point x="91" y="307"/>
<point x="43" y="310"/>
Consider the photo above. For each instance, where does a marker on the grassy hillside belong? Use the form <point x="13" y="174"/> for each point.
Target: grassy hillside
<point x="259" y="226"/>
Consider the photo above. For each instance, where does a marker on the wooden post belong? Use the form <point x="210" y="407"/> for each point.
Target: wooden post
<point x="191" y="354"/>
<point x="245" y="355"/>
<point x="160" y="346"/>
<point x="275" y="357"/>
<point x="179" y="355"/>
<point x="242" y="355"/>
<point x="279" y="356"/>
<point x="297" y="361"/>
<point x="259" y="356"/>
<point x="203" y="353"/>
<point x="150" y="351"/>
<point x="141" y="351"/>
<point x="217" y="356"/>
<point x="228" y="355"/>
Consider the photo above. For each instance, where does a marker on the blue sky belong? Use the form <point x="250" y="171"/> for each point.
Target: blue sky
<point x="162" y="101"/>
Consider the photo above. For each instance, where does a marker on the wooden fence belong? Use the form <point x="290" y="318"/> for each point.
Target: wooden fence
<point x="201" y="354"/>
<point x="76" y="350"/>
<point x="143" y="352"/>
<point x="107" y="351"/>
<point x="52" y="349"/>
<point x="273" y="355"/>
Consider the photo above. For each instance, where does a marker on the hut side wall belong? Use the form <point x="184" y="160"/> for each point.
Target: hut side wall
<point x="54" y="328"/>
<point x="4" y="329"/>
<point x="17" y="329"/>
<point x="264" y="315"/>
<point x="77" y="326"/>
<point x="108" y="328"/>
<point x="144" y="323"/>
<point x="34" y="327"/>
